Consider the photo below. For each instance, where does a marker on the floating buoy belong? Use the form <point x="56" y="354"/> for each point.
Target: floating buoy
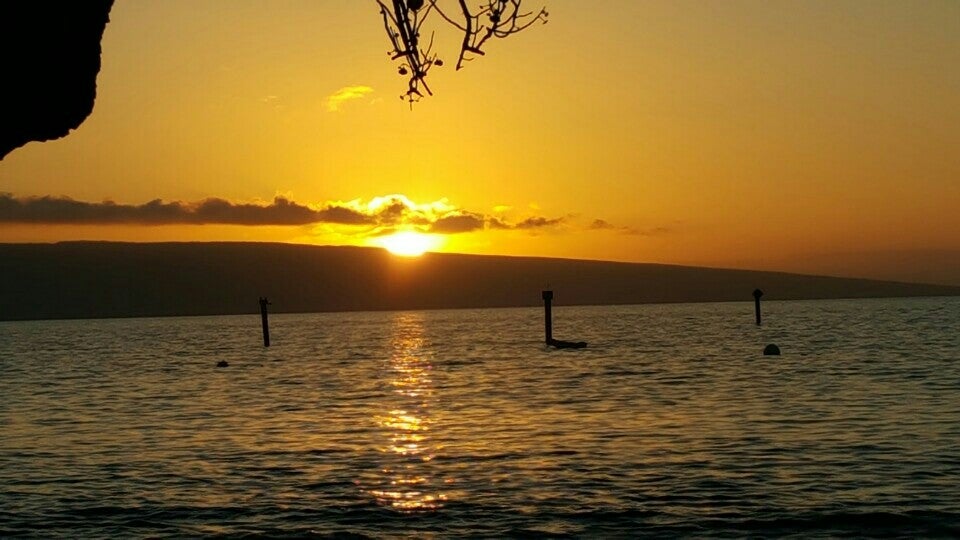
<point x="771" y="350"/>
<point x="223" y="363"/>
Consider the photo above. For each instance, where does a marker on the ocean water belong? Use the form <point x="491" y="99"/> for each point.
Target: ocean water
<point x="461" y="423"/>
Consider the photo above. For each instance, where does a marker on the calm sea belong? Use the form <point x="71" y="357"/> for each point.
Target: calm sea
<point x="461" y="423"/>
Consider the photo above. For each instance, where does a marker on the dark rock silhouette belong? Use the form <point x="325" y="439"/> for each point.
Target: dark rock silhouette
<point x="223" y="363"/>
<point x="771" y="350"/>
<point x="51" y="58"/>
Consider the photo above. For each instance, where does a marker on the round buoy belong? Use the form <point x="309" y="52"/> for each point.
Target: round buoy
<point x="222" y="363"/>
<point x="771" y="350"/>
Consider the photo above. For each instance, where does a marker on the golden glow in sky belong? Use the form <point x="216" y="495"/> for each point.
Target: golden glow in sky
<point x="748" y="133"/>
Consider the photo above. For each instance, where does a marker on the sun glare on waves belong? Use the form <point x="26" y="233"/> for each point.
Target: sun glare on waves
<point x="408" y="243"/>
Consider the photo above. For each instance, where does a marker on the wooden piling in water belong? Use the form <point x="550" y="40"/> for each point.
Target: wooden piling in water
<point x="757" y="293"/>
<point x="263" y="320"/>
<point x="547" y="316"/>
<point x="548" y="326"/>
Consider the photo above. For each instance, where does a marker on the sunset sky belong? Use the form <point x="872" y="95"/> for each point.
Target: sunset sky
<point x="751" y="134"/>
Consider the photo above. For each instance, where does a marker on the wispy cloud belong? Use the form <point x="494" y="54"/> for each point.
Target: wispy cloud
<point x="604" y="225"/>
<point x="538" y="223"/>
<point x="347" y="93"/>
<point x="652" y="231"/>
<point x="374" y="217"/>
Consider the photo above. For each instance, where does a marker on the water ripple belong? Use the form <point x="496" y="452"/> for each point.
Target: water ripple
<point x="460" y="423"/>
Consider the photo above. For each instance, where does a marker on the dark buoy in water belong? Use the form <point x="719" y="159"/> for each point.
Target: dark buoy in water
<point x="223" y="363"/>
<point x="771" y="350"/>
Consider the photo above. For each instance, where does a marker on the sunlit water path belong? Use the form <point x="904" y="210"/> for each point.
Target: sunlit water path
<point x="453" y="423"/>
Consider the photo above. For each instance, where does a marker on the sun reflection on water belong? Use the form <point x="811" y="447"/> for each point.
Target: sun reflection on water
<point x="406" y="482"/>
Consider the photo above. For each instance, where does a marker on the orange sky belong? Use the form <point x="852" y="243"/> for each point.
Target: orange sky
<point x="740" y="133"/>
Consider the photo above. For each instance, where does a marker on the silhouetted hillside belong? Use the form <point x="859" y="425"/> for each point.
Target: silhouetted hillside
<point x="94" y="279"/>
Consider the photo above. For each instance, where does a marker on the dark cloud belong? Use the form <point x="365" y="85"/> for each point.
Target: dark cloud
<point x="392" y="212"/>
<point x="62" y="210"/>
<point x="602" y="224"/>
<point x="344" y="216"/>
<point x="538" y="223"/>
<point x="395" y="213"/>
<point x="497" y="223"/>
<point x="281" y="212"/>
<point x="458" y="223"/>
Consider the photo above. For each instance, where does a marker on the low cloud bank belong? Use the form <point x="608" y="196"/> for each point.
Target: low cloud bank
<point x="372" y="217"/>
<point x="63" y="210"/>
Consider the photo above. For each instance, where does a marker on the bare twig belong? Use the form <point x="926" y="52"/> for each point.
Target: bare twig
<point x="403" y="20"/>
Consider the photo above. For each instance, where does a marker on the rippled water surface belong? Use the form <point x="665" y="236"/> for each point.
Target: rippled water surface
<point x="461" y="423"/>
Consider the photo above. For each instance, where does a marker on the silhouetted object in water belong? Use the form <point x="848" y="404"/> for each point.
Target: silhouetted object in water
<point x="223" y="363"/>
<point x="548" y="326"/>
<point x="757" y="293"/>
<point x="547" y="315"/>
<point x="771" y="350"/>
<point x="560" y="344"/>
<point x="263" y="320"/>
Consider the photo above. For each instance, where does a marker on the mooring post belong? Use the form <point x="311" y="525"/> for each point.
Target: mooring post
<point x="547" y="316"/>
<point x="757" y="293"/>
<point x="263" y="320"/>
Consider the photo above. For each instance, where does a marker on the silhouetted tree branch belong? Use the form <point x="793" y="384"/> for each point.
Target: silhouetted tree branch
<point x="403" y="20"/>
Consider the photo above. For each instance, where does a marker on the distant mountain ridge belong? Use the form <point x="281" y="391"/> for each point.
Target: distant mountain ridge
<point x="110" y="279"/>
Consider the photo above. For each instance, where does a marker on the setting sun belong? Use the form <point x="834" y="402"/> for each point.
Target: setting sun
<point x="408" y="244"/>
